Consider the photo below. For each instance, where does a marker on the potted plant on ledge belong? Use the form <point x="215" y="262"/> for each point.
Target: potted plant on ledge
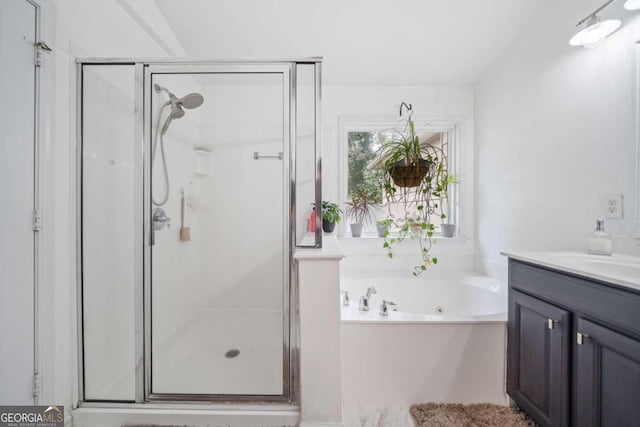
<point x="331" y="215"/>
<point x="382" y="227"/>
<point x="360" y="209"/>
<point x="448" y="227"/>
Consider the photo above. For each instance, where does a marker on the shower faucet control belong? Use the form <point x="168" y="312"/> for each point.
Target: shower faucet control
<point x="160" y="219"/>
<point x="364" y="300"/>
<point x="386" y="306"/>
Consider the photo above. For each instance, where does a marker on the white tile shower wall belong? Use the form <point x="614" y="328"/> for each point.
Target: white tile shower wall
<point x="383" y="102"/>
<point x="555" y="129"/>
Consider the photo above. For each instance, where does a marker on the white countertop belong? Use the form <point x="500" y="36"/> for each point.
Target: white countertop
<point x="620" y="270"/>
<point x="331" y="249"/>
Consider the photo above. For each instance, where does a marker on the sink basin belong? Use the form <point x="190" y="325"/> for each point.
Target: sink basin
<point x="615" y="265"/>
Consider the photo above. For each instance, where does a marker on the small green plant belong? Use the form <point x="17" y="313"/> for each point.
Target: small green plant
<point x="331" y="212"/>
<point x="403" y="147"/>
<point x="385" y="222"/>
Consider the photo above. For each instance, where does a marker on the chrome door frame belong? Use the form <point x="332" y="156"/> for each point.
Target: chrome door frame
<point x="143" y="129"/>
<point x="287" y="70"/>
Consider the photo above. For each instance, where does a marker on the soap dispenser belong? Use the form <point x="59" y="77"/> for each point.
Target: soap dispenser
<point x="600" y="242"/>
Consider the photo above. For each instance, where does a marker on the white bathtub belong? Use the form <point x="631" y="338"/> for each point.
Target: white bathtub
<point x="445" y="342"/>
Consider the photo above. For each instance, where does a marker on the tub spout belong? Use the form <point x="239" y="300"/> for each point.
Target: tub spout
<point x="364" y="300"/>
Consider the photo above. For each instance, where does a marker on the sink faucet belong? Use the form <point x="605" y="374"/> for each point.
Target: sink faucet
<point x="364" y="300"/>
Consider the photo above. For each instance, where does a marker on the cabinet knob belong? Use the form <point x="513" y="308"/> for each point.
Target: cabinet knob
<point x="551" y="323"/>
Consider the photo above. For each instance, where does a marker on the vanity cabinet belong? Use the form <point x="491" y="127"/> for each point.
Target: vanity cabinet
<point x="573" y="348"/>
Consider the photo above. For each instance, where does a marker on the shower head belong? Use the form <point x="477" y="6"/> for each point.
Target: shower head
<point x="189" y="101"/>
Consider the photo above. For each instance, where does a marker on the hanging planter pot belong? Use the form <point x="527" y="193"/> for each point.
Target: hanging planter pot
<point x="404" y="175"/>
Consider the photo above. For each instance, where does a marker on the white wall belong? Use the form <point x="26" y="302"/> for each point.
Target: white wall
<point x="364" y="102"/>
<point x="555" y="135"/>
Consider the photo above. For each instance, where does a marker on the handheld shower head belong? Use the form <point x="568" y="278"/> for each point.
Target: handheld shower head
<point x="189" y="101"/>
<point x="175" y="113"/>
<point x="177" y="105"/>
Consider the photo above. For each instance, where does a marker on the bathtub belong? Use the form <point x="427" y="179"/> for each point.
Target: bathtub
<point x="445" y="342"/>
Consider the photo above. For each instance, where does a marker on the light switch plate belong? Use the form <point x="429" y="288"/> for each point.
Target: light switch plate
<point x="614" y="206"/>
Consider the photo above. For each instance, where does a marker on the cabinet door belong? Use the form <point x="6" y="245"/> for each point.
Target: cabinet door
<point x="608" y="377"/>
<point x="538" y="358"/>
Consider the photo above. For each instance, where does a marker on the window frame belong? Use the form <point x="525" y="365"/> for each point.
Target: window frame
<point x="442" y="124"/>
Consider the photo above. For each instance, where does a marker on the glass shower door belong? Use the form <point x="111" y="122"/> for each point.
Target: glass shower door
<point x="217" y="292"/>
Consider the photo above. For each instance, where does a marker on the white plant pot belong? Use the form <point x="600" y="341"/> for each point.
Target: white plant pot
<point x="448" y="230"/>
<point x="356" y="229"/>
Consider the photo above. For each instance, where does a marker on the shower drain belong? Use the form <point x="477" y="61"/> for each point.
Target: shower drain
<point x="234" y="352"/>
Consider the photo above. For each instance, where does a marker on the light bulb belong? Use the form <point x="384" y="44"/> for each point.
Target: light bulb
<point x="595" y="32"/>
<point x="632" y="4"/>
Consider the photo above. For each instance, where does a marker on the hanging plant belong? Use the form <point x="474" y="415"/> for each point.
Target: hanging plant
<point x="415" y="178"/>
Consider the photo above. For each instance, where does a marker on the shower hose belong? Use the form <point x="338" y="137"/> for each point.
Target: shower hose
<point x="159" y="135"/>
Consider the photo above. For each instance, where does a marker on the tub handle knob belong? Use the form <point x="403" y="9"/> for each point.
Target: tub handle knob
<point x="345" y="298"/>
<point x="386" y="305"/>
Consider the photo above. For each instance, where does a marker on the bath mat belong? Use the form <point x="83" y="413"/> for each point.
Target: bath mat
<point x="476" y="415"/>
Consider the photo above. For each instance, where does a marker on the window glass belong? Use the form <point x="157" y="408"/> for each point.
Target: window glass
<point x="364" y="173"/>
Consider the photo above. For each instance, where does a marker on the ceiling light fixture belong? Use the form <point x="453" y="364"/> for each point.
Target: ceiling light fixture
<point x="596" y="30"/>
<point x="632" y="5"/>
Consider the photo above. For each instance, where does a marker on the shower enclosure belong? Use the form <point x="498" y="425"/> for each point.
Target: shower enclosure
<point x="196" y="181"/>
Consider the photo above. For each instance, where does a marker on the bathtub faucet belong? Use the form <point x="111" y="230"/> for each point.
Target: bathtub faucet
<point x="345" y="298"/>
<point x="364" y="300"/>
<point x="386" y="306"/>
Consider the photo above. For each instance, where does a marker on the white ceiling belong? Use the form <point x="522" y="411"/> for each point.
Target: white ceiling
<point x="404" y="42"/>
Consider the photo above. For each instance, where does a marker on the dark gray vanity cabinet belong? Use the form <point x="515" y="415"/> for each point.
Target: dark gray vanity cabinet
<point x="573" y="348"/>
<point x="538" y="358"/>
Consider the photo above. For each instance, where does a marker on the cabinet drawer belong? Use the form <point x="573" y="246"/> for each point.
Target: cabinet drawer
<point x="607" y="303"/>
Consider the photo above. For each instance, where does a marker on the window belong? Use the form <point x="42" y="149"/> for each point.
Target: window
<point x="362" y="145"/>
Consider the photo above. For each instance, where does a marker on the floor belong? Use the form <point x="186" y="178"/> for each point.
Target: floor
<point x="383" y="416"/>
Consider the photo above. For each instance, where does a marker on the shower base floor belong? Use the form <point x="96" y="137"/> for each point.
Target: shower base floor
<point x="221" y="352"/>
